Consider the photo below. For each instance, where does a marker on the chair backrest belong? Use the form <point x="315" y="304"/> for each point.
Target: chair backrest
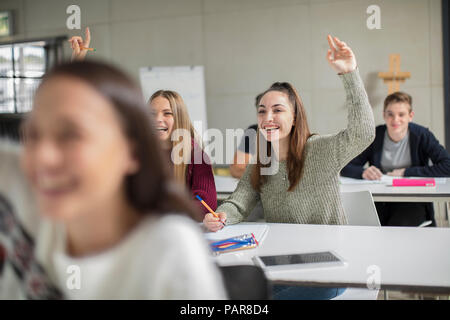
<point x="360" y="209"/>
<point x="246" y="282"/>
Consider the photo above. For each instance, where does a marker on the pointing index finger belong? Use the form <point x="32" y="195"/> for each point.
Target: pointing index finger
<point x="88" y="37"/>
<point x="331" y="44"/>
<point x="338" y="42"/>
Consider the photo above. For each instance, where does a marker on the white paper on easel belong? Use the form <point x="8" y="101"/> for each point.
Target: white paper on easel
<point x="259" y="230"/>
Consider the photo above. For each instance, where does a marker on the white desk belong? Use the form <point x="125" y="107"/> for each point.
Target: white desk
<point x="225" y="186"/>
<point x="385" y="193"/>
<point x="410" y="259"/>
<point x="441" y="193"/>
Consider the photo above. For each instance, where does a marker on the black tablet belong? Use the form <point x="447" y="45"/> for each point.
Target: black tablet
<point x="300" y="260"/>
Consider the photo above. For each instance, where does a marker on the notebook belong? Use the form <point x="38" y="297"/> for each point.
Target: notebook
<point x="424" y="182"/>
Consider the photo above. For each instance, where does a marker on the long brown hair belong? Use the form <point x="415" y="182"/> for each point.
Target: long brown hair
<point x="299" y="134"/>
<point x="181" y="121"/>
<point x="152" y="188"/>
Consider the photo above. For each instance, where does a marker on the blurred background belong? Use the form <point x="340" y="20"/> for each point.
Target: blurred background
<point x="243" y="45"/>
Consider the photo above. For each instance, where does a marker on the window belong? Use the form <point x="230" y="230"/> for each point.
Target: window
<point x="22" y="66"/>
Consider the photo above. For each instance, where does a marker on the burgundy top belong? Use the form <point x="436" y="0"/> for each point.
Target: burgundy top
<point x="200" y="178"/>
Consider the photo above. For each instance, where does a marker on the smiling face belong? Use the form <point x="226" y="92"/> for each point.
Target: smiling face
<point x="275" y="116"/>
<point x="163" y="115"/>
<point x="75" y="153"/>
<point x="397" y="116"/>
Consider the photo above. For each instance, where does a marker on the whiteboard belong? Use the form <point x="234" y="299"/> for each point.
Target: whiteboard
<point x="188" y="81"/>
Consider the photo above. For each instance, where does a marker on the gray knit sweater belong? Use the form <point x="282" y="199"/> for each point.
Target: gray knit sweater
<point x="316" y="198"/>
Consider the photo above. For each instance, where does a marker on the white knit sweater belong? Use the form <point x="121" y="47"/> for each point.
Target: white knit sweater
<point x="161" y="258"/>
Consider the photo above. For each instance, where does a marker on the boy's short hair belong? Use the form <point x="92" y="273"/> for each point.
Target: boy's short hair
<point x="398" y="97"/>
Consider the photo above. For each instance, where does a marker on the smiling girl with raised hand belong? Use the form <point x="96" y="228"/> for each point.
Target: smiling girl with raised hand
<point x="109" y="206"/>
<point x="305" y="188"/>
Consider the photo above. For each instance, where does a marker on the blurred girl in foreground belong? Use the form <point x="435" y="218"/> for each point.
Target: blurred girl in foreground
<point x="110" y="211"/>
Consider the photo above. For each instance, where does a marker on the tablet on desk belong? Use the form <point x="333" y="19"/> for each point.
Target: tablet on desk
<point x="296" y="261"/>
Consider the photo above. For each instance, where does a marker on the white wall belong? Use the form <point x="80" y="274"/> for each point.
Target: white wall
<point x="245" y="45"/>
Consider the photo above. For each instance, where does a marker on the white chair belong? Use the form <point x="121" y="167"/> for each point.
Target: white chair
<point x="360" y="211"/>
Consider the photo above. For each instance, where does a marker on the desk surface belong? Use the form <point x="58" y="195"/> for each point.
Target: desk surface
<point x="383" y="192"/>
<point x="413" y="259"/>
<point x="380" y="192"/>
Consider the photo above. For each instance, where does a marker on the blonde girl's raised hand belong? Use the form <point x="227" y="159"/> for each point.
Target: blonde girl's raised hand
<point x="79" y="46"/>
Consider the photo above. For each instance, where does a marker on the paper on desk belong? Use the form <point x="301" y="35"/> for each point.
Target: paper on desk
<point x="258" y="229"/>
<point x="385" y="179"/>
<point x="437" y="180"/>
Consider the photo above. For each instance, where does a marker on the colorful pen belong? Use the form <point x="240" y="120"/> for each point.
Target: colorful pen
<point x="90" y="49"/>
<point x="209" y="209"/>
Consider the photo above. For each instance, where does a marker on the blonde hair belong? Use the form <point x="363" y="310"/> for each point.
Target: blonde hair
<point x="181" y="121"/>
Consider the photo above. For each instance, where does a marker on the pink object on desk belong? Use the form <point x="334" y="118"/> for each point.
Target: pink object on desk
<point x="427" y="182"/>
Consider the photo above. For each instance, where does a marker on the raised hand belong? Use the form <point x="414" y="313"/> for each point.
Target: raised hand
<point x="340" y="56"/>
<point x="79" y="46"/>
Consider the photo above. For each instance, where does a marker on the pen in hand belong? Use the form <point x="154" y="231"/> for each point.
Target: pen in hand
<point x="209" y="209"/>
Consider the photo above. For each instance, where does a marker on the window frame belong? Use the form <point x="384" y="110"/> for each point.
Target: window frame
<point x="52" y="47"/>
